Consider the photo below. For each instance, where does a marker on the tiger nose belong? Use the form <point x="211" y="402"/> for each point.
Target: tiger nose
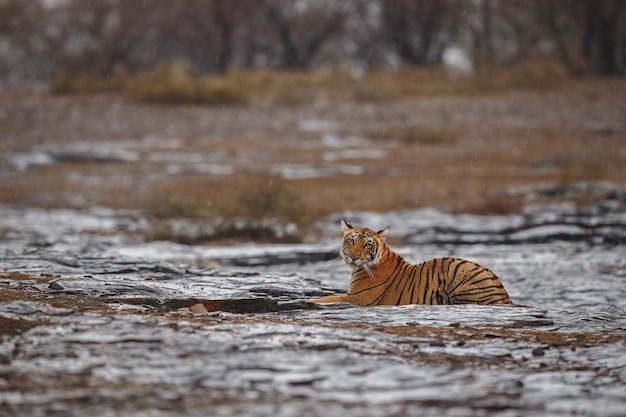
<point x="355" y="257"/>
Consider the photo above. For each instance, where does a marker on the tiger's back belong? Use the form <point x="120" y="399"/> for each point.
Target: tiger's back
<point x="382" y="277"/>
<point x="441" y="281"/>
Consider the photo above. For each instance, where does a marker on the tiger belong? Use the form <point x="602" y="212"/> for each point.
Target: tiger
<point x="382" y="277"/>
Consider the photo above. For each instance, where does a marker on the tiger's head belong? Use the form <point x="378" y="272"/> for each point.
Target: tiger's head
<point x="362" y="247"/>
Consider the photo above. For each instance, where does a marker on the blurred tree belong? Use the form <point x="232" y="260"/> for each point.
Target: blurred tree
<point x="18" y="16"/>
<point x="517" y="25"/>
<point x="478" y="19"/>
<point x="551" y="13"/>
<point x="97" y="35"/>
<point x="210" y="32"/>
<point x="302" y="27"/>
<point x="585" y="35"/>
<point x="586" y="28"/>
<point x="39" y="36"/>
<point x="602" y="43"/>
<point x="419" y="30"/>
<point x="225" y="16"/>
<point x="362" y="42"/>
<point x="20" y="41"/>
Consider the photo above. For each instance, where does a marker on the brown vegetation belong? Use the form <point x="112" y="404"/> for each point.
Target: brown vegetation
<point x="234" y="170"/>
<point x="175" y="84"/>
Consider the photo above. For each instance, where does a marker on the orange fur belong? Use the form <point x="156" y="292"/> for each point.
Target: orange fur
<point x="382" y="277"/>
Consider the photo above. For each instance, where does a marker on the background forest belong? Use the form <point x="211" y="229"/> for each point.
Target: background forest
<point x="43" y="38"/>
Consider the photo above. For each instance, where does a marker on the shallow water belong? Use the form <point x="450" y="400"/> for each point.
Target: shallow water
<point x="256" y="348"/>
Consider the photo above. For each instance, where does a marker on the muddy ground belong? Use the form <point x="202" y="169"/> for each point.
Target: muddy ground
<point x="468" y="153"/>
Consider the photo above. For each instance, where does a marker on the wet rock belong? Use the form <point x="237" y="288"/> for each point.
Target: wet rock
<point x="55" y="286"/>
<point x="11" y="327"/>
<point x="135" y="327"/>
<point x="198" y="309"/>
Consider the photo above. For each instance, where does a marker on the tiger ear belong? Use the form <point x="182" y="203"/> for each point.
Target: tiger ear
<point x="382" y="234"/>
<point x="346" y="226"/>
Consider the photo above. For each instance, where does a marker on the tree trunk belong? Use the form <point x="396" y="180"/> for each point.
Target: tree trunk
<point x="607" y="33"/>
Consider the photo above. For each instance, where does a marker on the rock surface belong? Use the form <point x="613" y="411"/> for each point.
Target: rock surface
<point x="96" y="322"/>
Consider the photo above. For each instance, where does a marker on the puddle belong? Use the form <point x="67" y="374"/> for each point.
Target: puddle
<point x="172" y="162"/>
<point x="81" y="152"/>
<point x="109" y="324"/>
<point x="296" y="171"/>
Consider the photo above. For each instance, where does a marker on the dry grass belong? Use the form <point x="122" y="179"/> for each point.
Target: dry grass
<point x="461" y="152"/>
<point x="194" y="209"/>
<point x="533" y="75"/>
<point x="411" y="81"/>
<point x="417" y="134"/>
<point x="173" y="83"/>
<point x="64" y="82"/>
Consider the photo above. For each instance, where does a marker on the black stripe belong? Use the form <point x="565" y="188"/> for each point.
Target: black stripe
<point x="424" y="277"/>
<point x="493" y="299"/>
<point x="479" y="270"/>
<point x="413" y="282"/>
<point x="367" y="289"/>
<point x="490" y="278"/>
<point x="397" y="276"/>
<point x="505" y="299"/>
<point x="402" y="274"/>
<point x="463" y="262"/>
<point x="406" y="278"/>
<point x="456" y="270"/>
<point x="399" y="263"/>
<point x="479" y="294"/>
<point x="497" y="286"/>
<point x="377" y="299"/>
<point x="432" y="278"/>
<point x="362" y="271"/>
<point x="487" y="299"/>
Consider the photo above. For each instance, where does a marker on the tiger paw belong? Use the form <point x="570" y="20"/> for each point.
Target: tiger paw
<point x="329" y="299"/>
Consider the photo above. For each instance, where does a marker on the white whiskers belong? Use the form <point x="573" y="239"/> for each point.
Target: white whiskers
<point x="368" y="270"/>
